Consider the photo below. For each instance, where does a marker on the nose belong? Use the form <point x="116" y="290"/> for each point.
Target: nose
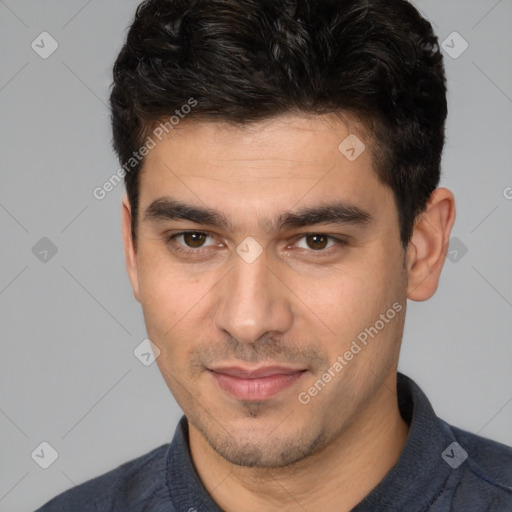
<point x="253" y="301"/>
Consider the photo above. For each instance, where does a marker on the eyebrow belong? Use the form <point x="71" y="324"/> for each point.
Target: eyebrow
<point x="336" y="212"/>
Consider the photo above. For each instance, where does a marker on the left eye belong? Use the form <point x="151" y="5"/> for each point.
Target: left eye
<point x="317" y="241"/>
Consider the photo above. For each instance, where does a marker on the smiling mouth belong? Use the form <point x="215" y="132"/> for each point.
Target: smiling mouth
<point x="255" y="384"/>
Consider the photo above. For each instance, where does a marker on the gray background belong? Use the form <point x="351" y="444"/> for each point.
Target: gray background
<point x="70" y="324"/>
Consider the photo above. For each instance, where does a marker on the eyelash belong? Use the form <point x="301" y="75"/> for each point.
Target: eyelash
<point x="187" y="252"/>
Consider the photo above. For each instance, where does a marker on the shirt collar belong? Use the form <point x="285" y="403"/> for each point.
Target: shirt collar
<point x="412" y="484"/>
<point x="420" y="473"/>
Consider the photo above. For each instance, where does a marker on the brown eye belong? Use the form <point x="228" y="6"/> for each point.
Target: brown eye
<point x="194" y="240"/>
<point x="190" y="242"/>
<point x="317" y="241"/>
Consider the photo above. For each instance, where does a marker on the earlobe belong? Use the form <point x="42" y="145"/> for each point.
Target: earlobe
<point x="129" y="249"/>
<point x="427" y="249"/>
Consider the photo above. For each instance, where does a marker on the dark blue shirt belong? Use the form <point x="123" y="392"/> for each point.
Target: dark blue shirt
<point x="441" y="469"/>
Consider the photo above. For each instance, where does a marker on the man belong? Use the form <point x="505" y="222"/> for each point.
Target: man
<point x="281" y="160"/>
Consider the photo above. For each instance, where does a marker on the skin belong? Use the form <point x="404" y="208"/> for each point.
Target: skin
<point x="299" y="303"/>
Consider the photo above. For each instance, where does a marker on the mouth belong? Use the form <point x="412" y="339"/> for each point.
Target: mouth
<point x="255" y="384"/>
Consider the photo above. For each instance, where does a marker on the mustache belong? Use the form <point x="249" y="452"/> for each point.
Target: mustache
<point x="268" y="349"/>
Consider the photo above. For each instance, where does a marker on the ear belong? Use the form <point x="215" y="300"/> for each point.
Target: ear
<point x="427" y="249"/>
<point x="130" y="253"/>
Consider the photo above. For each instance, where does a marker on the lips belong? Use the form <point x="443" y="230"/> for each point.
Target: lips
<point x="255" y="384"/>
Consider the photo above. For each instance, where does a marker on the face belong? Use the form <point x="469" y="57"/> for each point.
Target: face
<point x="265" y="256"/>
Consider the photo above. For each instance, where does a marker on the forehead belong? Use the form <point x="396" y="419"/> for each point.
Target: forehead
<point x="298" y="140"/>
<point x="270" y="166"/>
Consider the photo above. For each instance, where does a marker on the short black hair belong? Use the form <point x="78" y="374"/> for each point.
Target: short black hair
<point x="247" y="60"/>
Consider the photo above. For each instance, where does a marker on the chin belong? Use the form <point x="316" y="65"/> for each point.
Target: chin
<point x="265" y="447"/>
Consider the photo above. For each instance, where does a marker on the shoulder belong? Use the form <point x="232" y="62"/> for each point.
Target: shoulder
<point x="485" y="470"/>
<point x="136" y="483"/>
<point x="465" y="472"/>
<point x="488" y="459"/>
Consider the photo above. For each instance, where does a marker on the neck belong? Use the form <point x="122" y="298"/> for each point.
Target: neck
<point x="343" y="473"/>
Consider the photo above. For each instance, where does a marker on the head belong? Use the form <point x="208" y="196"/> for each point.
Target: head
<point x="299" y="145"/>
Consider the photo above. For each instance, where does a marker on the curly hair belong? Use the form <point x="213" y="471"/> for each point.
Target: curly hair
<point x="247" y="60"/>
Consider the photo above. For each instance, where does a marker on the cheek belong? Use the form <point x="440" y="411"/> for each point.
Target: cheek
<point x="174" y="302"/>
<point x="354" y="295"/>
<point x="163" y="293"/>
